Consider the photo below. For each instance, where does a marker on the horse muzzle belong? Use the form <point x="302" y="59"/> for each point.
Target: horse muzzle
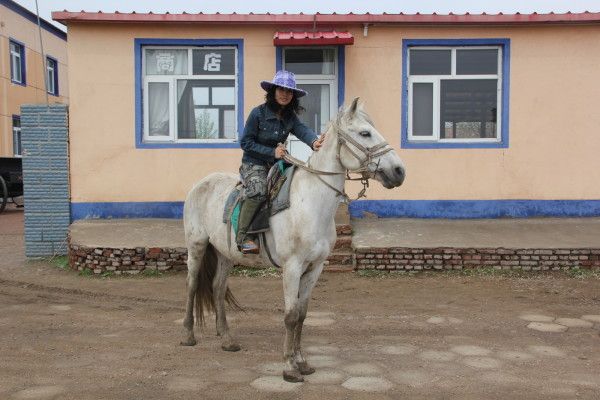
<point x="391" y="177"/>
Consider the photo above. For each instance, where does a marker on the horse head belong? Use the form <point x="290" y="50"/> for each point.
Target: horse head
<point x="362" y="149"/>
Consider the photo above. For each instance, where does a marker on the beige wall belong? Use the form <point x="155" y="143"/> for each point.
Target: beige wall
<point x="553" y="124"/>
<point x="14" y="26"/>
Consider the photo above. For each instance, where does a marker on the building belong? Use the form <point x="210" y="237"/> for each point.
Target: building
<point x="22" y="69"/>
<point x="494" y="115"/>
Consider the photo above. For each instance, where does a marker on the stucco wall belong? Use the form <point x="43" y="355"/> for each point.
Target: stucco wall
<point x="554" y="93"/>
<point x="16" y="27"/>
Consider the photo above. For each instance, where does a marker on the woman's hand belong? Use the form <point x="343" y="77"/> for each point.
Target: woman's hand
<point x="318" y="143"/>
<point x="280" y="151"/>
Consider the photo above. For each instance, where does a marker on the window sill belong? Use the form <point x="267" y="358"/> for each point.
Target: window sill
<point x="19" y="83"/>
<point x="453" y="145"/>
<point x="180" y="145"/>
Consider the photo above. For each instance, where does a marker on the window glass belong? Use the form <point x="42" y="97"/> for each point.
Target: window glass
<point x="310" y="61"/>
<point x="191" y="93"/>
<point x="17" y="148"/>
<point x="166" y="62"/>
<point x="422" y="122"/>
<point x="223" y="96"/>
<point x="468" y="108"/>
<point x="430" y="62"/>
<point x="213" y="61"/>
<point x="16" y="62"/>
<point x="477" y="62"/>
<point x="200" y="116"/>
<point x="206" y="123"/>
<point x="199" y="95"/>
<point x="229" y="124"/>
<point x="51" y="76"/>
<point x="158" y="108"/>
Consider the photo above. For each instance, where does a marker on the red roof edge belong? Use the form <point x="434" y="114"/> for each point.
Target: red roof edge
<point x="318" y="38"/>
<point x="575" y="18"/>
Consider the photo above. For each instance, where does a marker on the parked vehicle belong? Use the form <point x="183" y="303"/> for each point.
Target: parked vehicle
<point x="11" y="181"/>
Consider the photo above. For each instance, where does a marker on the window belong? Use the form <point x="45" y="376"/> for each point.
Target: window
<point x="52" y="76"/>
<point x="17" y="62"/>
<point x="190" y="93"/>
<point x="456" y="93"/>
<point x="316" y="72"/>
<point x="16" y="129"/>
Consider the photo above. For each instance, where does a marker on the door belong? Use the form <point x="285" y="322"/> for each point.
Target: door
<point x="316" y="72"/>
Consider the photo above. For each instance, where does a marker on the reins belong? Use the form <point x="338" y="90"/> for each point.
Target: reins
<point x="363" y="169"/>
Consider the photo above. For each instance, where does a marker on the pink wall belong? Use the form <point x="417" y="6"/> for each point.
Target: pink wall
<point x="554" y="93"/>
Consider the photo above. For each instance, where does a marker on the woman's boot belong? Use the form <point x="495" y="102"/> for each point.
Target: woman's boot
<point x="248" y="210"/>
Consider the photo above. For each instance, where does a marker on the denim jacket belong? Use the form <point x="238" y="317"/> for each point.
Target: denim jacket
<point x="263" y="131"/>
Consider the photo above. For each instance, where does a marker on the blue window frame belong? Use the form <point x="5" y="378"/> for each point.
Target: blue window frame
<point x="17" y="62"/>
<point x="188" y="93"/>
<point x="455" y="93"/>
<point x="52" y="76"/>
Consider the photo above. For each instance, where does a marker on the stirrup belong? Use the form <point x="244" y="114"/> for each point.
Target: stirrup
<point x="249" y="247"/>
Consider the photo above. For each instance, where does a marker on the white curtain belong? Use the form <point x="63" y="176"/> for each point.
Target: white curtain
<point x="158" y="108"/>
<point x="328" y="62"/>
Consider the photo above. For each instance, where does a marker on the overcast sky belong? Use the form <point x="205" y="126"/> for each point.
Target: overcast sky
<point x="312" y="6"/>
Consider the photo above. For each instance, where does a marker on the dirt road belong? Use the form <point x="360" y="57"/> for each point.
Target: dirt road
<point x="66" y="336"/>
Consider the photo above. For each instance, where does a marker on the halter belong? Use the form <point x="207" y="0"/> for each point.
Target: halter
<point x="370" y="154"/>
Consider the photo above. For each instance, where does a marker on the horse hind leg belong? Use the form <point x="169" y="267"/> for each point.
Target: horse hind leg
<point x="196" y="252"/>
<point x="221" y="293"/>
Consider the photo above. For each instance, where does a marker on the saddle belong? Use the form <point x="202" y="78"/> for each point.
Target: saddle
<point x="279" y="181"/>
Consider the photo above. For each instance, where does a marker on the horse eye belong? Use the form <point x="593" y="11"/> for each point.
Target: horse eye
<point x="365" y="134"/>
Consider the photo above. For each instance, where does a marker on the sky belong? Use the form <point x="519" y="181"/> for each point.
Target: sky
<point x="312" y="6"/>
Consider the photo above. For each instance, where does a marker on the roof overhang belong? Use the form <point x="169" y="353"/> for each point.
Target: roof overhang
<point x="317" y="38"/>
<point x="66" y="17"/>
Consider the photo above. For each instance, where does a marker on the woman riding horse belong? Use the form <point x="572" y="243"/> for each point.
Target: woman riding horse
<point x="267" y="128"/>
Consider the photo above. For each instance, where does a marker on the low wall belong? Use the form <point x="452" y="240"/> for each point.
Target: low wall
<point x="129" y="261"/>
<point x="402" y="258"/>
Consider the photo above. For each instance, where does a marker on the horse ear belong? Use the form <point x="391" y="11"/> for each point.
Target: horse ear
<point x="353" y="107"/>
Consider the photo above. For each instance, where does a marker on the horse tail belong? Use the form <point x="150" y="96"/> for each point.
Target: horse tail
<point x="204" y="299"/>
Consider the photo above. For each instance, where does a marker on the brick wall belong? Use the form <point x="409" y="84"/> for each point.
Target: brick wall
<point x="401" y="258"/>
<point x="44" y="131"/>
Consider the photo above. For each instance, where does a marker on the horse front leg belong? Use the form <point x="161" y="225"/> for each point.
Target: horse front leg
<point x="291" y="285"/>
<point x="307" y="283"/>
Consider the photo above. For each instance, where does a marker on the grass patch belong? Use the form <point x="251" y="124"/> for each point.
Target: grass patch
<point x="580" y="273"/>
<point x="269" y="272"/>
<point x="61" y="262"/>
<point x="86" y="272"/>
<point x="151" y="272"/>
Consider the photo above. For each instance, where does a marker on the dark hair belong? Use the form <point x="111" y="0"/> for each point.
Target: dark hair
<point x="293" y="107"/>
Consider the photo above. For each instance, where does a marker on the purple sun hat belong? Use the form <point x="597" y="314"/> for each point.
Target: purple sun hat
<point x="284" y="79"/>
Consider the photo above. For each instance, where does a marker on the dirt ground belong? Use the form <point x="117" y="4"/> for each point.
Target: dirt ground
<point x="66" y="336"/>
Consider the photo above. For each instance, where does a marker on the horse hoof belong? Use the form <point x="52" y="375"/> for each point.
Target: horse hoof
<point x="189" y="342"/>
<point x="305" y="369"/>
<point x="292" y="376"/>
<point x="231" y="347"/>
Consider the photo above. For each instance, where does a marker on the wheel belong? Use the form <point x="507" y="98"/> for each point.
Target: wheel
<point x="3" y="193"/>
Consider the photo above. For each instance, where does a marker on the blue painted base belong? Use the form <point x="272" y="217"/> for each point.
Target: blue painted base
<point x="455" y="209"/>
<point x="463" y="209"/>
<point x="172" y="209"/>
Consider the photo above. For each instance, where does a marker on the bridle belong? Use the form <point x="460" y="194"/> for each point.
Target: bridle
<point x="369" y="153"/>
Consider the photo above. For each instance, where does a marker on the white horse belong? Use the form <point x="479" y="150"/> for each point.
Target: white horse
<point x="300" y="239"/>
